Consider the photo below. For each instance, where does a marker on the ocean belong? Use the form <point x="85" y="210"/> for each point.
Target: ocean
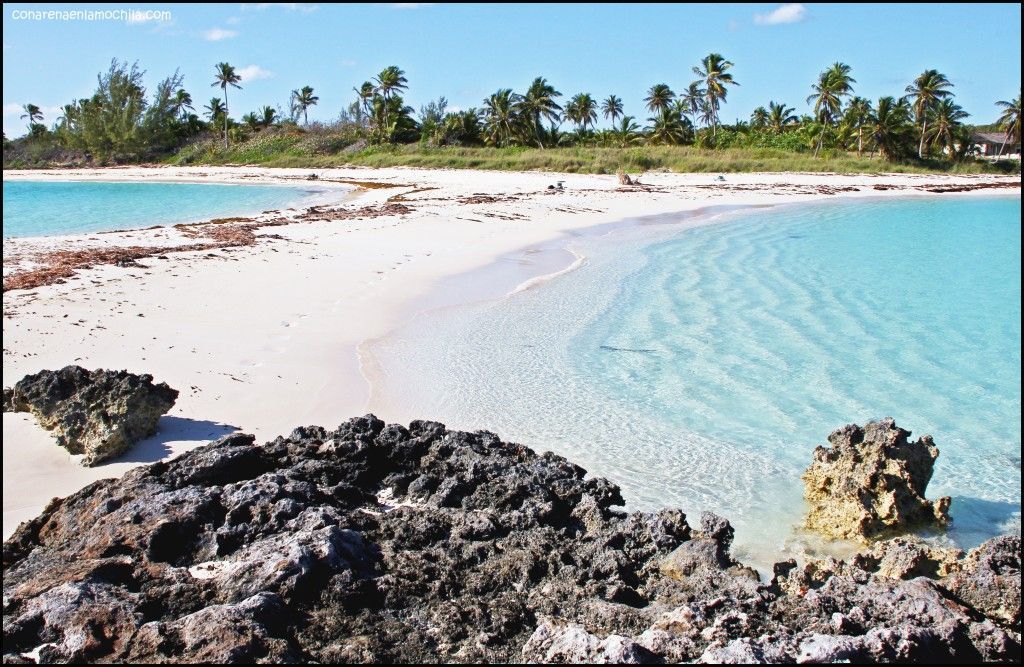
<point x="699" y="367"/>
<point x="33" y="208"/>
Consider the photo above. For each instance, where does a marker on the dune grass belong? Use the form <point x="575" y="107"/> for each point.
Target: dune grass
<point x="298" y="151"/>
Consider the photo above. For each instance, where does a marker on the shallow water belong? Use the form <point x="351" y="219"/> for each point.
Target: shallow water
<point x="699" y="368"/>
<point x="33" y="208"/>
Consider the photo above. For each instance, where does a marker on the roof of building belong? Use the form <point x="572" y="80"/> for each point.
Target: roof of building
<point x="988" y="137"/>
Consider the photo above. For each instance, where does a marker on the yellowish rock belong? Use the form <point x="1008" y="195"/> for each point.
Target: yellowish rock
<point x="870" y="484"/>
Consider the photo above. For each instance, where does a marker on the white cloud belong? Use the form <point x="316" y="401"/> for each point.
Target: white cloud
<point x="233" y="20"/>
<point x="253" y="73"/>
<point x="410" y="5"/>
<point x="791" y="13"/>
<point x="348" y="63"/>
<point x="217" y="34"/>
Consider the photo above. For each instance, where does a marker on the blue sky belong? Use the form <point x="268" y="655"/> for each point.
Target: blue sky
<point x="466" y="52"/>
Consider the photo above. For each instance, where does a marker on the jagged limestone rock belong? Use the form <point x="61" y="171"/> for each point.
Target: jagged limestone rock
<point x="871" y="482"/>
<point x="907" y="558"/>
<point x="98" y="414"/>
<point x="374" y="543"/>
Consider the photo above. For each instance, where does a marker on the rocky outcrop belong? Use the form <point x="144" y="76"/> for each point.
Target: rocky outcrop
<point x="907" y="558"/>
<point x="391" y="544"/>
<point x="99" y="414"/>
<point x="871" y="482"/>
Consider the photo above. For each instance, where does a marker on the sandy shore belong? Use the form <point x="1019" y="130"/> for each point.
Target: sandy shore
<point x="258" y="325"/>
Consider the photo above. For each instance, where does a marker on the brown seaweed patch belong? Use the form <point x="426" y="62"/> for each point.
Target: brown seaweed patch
<point x="57" y="266"/>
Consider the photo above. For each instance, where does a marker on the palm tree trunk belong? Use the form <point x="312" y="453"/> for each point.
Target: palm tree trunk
<point x="920" y="147"/>
<point x="225" y="116"/>
<point x="860" y="142"/>
<point x="821" y="138"/>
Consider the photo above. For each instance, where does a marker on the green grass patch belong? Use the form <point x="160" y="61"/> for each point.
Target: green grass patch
<point x="281" y="150"/>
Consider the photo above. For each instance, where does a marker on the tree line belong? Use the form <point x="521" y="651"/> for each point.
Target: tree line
<point x="119" y="123"/>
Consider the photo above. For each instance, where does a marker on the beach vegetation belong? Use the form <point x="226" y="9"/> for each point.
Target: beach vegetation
<point x="301" y="100"/>
<point x="922" y="130"/>
<point x="924" y="94"/>
<point x="1009" y="121"/>
<point x="226" y="77"/>
<point x="611" y="108"/>
<point x="834" y="84"/>
<point x="713" y="74"/>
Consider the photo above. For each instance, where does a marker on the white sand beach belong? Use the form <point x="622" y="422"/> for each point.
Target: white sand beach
<point x="263" y="336"/>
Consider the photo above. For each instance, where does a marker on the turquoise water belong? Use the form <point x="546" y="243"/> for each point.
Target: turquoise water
<point x="51" y="208"/>
<point x="699" y="368"/>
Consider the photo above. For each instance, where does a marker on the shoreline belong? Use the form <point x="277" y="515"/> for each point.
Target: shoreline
<point x="439" y="300"/>
<point x="287" y="314"/>
<point x="458" y="323"/>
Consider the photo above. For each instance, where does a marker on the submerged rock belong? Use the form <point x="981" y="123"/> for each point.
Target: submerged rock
<point x="99" y="414"/>
<point x="374" y="543"/>
<point x="871" y="483"/>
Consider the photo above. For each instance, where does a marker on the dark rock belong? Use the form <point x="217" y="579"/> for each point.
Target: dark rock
<point x="374" y="543"/>
<point x="98" y="414"/>
<point x="989" y="579"/>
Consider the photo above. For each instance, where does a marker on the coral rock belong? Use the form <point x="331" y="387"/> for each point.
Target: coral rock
<point x="870" y="483"/>
<point x="393" y="544"/>
<point x="98" y="414"/>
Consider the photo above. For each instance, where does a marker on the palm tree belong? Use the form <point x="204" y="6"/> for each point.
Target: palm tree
<point x="945" y="124"/>
<point x="612" y="107"/>
<point x="501" y="117"/>
<point x="928" y="88"/>
<point x="182" y="100"/>
<point x="539" y="102"/>
<point x="463" y="128"/>
<point x="780" y="117"/>
<point x="668" y="127"/>
<point x="833" y="85"/>
<point x="215" y="109"/>
<point x="1009" y="122"/>
<point x="365" y="93"/>
<point x="224" y="76"/>
<point x="759" y="118"/>
<point x="858" y="116"/>
<point x="659" y="97"/>
<point x="268" y="116"/>
<point x="390" y="80"/>
<point x="302" y="99"/>
<point x="713" y="73"/>
<point x="572" y="113"/>
<point x="627" y="133"/>
<point x="889" y="126"/>
<point x="67" y="119"/>
<point x="33" y="113"/>
<point x="252" y="120"/>
<point x="693" y="98"/>
<point x="586" y="110"/>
